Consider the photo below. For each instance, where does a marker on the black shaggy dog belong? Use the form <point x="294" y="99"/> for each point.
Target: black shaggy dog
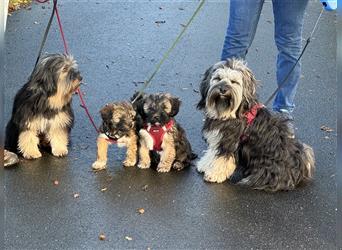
<point x="162" y="140"/>
<point x="42" y="110"/>
<point x="243" y="135"/>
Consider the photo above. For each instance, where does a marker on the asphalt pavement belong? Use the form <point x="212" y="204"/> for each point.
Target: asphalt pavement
<point x="117" y="45"/>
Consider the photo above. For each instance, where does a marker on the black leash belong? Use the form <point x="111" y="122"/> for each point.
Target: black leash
<point x="308" y="40"/>
<point x="46" y="31"/>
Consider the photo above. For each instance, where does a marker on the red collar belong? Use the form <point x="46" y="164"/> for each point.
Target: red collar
<point x="251" y="114"/>
<point x="157" y="132"/>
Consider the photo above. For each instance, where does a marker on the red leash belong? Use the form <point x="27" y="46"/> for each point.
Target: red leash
<point x="83" y="104"/>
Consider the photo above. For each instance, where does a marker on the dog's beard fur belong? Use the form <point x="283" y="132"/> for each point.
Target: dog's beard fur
<point x="176" y="151"/>
<point x="269" y="159"/>
<point x="42" y="107"/>
<point x="119" y="124"/>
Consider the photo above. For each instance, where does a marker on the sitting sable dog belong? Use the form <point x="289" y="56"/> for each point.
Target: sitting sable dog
<point x="118" y="126"/>
<point x="42" y="112"/>
<point x="162" y="139"/>
<point x="243" y="135"/>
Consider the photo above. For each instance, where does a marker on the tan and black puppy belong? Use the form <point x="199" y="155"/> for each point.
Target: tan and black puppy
<point x="118" y="127"/>
<point x="42" y="109"/>
<point x="162" y="134"/>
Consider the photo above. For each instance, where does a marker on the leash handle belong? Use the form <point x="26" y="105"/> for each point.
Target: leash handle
<point x="308" y="40"/>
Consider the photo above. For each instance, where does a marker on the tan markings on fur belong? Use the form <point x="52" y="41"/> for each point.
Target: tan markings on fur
<point x="28" y="144"/>
<point x="65" y="89"/>
<point x="144" y="149"/>
<point x="221" y="168"/>
<point x="146" y="139"/>
<point x="102" y="150"/>
<point x="59" y="140"/>
<point x="168" y="154"/>
<point x="40" y="124"/>
<point x="132" y="149"/>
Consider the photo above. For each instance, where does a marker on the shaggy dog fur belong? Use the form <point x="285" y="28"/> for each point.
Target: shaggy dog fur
<point x="159" y="109"/>
<point x="118" y="126"/>
<point x="42" y="108"/>
<point x="263" y="152"/>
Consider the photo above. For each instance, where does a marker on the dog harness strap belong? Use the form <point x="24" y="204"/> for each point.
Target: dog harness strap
<point x="251" y="114"/>
<point x="157" y="133"/>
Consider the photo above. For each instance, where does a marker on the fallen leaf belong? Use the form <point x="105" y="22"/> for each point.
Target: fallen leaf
<point x="76" y="195"/>
<point x="141" y="210"/>
<point x="102" y="236"/>
<point x="103" y="189"/>
<point x="326" y="128"/>
<point x="128" y="238"/>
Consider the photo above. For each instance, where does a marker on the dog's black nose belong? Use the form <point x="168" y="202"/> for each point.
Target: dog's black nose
<point x="224" y="89"/>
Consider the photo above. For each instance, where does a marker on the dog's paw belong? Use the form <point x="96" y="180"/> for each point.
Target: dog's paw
<point x="32" y="155"/>
<point x="59" y="152"/>
<point x="214" y="176"/>
<point x="99" y="165"/>
<point x="143" y="165"/>
<point x="178" y="165"/>
<point x="163" y="168"/>
<point x="129" y="163"/>
<point x="201" y="167"/>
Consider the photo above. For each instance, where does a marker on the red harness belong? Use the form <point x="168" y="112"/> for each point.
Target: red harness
<point x="157" y="133"/>
<point x="250" y="116"/>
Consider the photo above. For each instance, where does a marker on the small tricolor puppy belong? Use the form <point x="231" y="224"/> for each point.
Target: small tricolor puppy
<point x="243" y="136"/>
<point x="118" y="127"/>
<point x="162" y="139"/>
<point x="42" y="111"/>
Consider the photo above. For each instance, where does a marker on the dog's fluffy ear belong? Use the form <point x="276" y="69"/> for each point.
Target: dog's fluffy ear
<point x="107" y="112"/>
<point x="175" y="104"/>
<point x="138" y="105"/>
<point x="204" y="87"/>
<point x="44" y="80"/>
<point x="130" y="110"/>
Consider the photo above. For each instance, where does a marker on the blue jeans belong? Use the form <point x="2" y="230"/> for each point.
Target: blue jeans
<point x="288" y="24"/>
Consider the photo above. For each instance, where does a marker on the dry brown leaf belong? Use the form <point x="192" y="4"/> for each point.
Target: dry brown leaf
<point x="326" y="128"/>
<point x="141" y="210"/>
<point x="102" y="236"/>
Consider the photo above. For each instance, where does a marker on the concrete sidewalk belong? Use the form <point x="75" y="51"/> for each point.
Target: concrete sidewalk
<point x="117" y="46"/>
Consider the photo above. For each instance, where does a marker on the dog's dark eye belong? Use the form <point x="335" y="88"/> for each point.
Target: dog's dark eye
<point x="217" y="78"/>
<point x="65" y="69"/>
<point x="234" y="82"/>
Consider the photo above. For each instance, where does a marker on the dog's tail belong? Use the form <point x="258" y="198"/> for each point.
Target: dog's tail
<point x="309" y="162"/>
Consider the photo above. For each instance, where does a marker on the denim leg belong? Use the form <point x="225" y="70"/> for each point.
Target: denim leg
<point x="288" y="23"/>
<point x="243" y="20"/>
